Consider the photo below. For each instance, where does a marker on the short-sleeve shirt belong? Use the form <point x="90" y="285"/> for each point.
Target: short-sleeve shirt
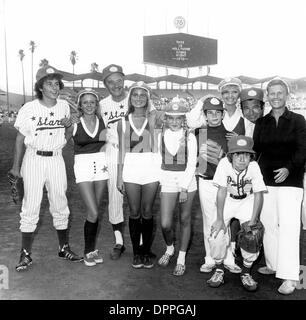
<point x="41" y="125"/>
<point x="238" y="183"/>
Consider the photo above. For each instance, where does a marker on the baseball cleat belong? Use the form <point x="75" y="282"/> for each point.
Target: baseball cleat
<point x="117" y="251"/>
<point x="137" y="262"/>
<point x="92" y="258"/>
<point x="287" y="287"/>
<point x="265" y="270"/>
<point x="25" y="261"/>
<point x="66" y="253"/>
<point x="207" y="267"/>
<point x="248" y="282"/>
<point x="217" y="279"/>
<point x="233" y="268"/>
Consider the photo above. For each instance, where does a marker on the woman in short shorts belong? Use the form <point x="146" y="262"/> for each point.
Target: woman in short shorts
<point x="138" y="171"/>
<point x="90" y="167"/>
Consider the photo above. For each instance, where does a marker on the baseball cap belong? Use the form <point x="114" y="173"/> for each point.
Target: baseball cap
<point x="230" y="82"/>
<point x="176" y="107"/>
<point x="280" y="81"/>
<point x="46" y="71"/>
<point x="112" y="68"/>
<point x="251" y="94"/>
<point x="240" y="144"/>
<point x="213" y="103"/>
<point x="140" y="85"/>
<point x="87" y="91"/>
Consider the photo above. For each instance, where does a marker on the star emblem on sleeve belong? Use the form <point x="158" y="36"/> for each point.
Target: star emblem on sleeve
<point x="105" y="169"/>
<point x="33" y="118"/>
<point x="51" y="114"/>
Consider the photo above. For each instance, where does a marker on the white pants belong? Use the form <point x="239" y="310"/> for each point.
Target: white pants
<point x="208" y="197"/>
<point x="281" y="219"/>
<point x="115" y="198"/>
<point x="36" y="172"/>
<point x="304" y="205"/>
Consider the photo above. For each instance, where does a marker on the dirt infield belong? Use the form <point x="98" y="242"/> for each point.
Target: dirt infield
<point x="52" y="278"/>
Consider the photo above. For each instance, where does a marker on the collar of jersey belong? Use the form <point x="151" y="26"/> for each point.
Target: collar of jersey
<point x="92" y="135"/>
<point x="140" y="131"/>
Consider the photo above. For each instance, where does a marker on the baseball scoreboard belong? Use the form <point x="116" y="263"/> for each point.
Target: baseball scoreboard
<point x="179" y="50"/>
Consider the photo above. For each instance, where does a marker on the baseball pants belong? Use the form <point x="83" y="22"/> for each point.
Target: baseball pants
<point x="243" y="211"/>
<point x="115" y="198"/>
<point x="281" y="217"/>
<point x="36" y="172"/>
<point x="208" y="196"/>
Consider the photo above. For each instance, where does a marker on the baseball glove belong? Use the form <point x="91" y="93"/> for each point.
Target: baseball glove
<point x="249" y="238"/>
<point x="13" y="183"/>
<point x="211" y="151"/>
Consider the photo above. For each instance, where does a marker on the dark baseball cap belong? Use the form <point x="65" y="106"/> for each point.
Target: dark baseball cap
<point x="240" y="144"/>
<point x="112" y="68"/>
<point x="46" y="71"/>
<point x="251" y="94"/>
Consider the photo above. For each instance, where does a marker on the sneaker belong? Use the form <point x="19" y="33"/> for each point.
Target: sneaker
<point x="25" y="261"/>
<point x="165" y="259"/>
<point x="233" y="268"/>
<point x="265" y="270"/>
<point x="179" y="270"/>
<point x="147" y="262"/>
<point x="137" y="262"/>
<point x="92" y="258"/>
<point x="217" y="279"/>
<point x="207" y="267"/>
<point x="248" y="282"/>
<point x="287" y="287"/>
<point x="117" y="251"/>
<point x="67" y="254"/>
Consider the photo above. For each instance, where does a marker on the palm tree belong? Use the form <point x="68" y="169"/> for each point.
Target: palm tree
<point x="21" y="56"/>
<point x="94" y="68"/>
<point x="32" y="49"/>
<point x="73" y="59"/>
<point x="43" y="63"/>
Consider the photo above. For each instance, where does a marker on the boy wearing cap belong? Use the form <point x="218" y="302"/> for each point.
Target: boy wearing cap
<point x="40" y="130"/>
<point x="252" y="103"/>
<point x="240" y="195"/>
<point x="215" y="137"/>
<point x="178" y="149"/>
<point x="112" y="109"/>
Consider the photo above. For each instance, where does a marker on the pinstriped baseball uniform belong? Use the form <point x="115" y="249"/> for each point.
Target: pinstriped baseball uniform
<point x="43" y="132"/>
<point x="111" y="112"/>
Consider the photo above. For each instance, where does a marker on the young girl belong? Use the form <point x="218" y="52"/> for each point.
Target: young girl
<point x="178" y="150"/>
<point x="138" y="171"/>
<point x="90" y="167"/>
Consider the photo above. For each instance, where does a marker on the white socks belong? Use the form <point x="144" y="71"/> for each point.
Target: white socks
<point x="170" y="250"/>
<point x="118" y="236"/>
<point x="181" y="257"/>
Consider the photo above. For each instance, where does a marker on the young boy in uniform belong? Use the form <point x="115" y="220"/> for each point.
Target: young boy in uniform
<point x="240" y="195"/>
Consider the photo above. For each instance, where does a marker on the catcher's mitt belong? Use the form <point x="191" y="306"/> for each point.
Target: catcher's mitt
<point x="13" y="183"/>
<point x="249" y="238"/>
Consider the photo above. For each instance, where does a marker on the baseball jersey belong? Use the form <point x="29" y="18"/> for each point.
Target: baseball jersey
<point x="242" y="183"/>
<point x="111" y="112"/>
<point x="84" y="140"/>
<point x="238" y="123"/>
<point x="41" y="125"/>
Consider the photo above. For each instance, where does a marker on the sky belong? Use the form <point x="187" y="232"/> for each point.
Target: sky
<point x="259" y="38"/>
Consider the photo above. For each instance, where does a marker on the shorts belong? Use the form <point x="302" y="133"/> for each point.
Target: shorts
<point x="171" y="181"/>
<point x="90" y="167"/>
<point x="141" y="168"/>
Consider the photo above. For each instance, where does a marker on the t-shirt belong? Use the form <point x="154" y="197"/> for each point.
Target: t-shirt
<point x="238" y="183"/>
